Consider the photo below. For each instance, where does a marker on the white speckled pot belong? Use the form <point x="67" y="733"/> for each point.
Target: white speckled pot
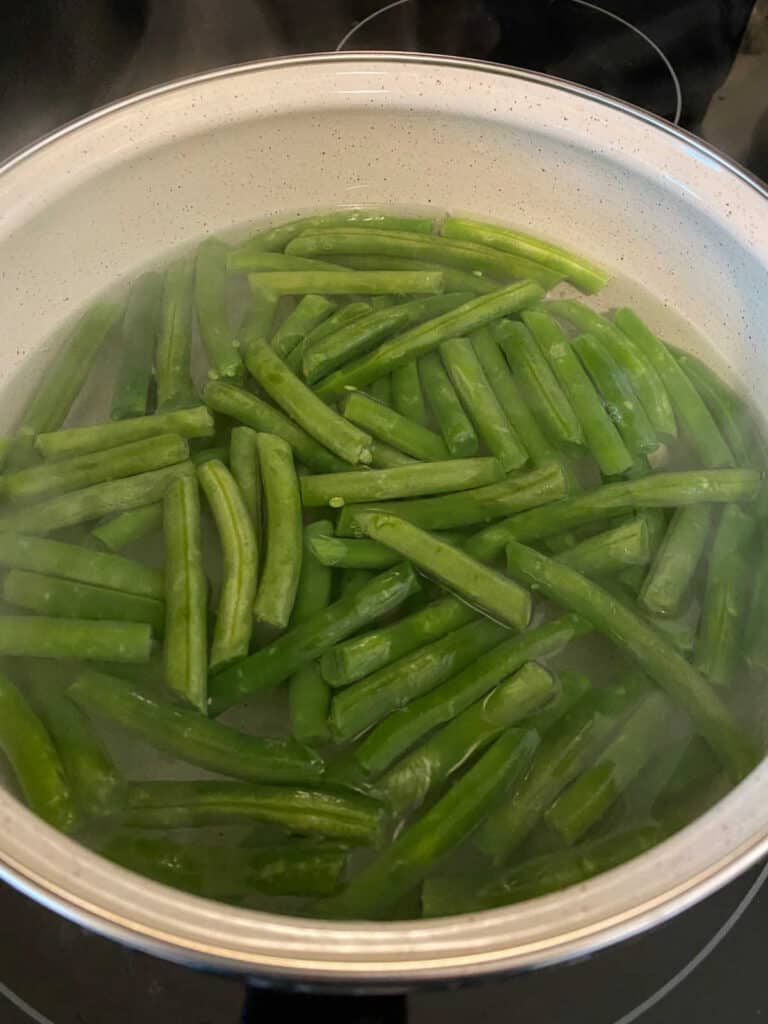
<point x="92" y="204"/>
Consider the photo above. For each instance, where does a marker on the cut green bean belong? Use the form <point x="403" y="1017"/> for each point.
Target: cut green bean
<point x="544" y="394"/>
<point x="303" y="643"/>
<point x="37" y="636"/>
<point x="185" y="650"/>
<point x="187" y="735"/>
<point x="585" y="275"/>
<point x="726" y="598"/>
<point x="278" y="237"/>
<point x="189" y="423"/>
<point x="419" y="340"/>
<point x="455" y="426"/>
<point x="67" y="599"/>
<point x="344" y="553"/>
<point x="128" y="527"/>
<point x="308" y="314"/>
<point x="655" y="520"/>
<point x="130" y="393"/>
<point x="694" y="417"/>
<point x="680" y="680"/>
<point x="756" y="635"/>
<point x="257" y="414"/>
<point x="381" y="390"/>
<point x="343" y="815"/>
<point x="97" y="784"/>
<point x="55" y="558"/>
<point x="410" y="782"/>
<point x="35" y="762"/>
<point x="454" y="280"/>
<point x="407" y="396"/>
<point x="600" y="433"/>
<point x="173" y="353"/>
<point x="349" y="282"/>
<point x="51" y="478"/>
<point x="260" y="318"/>
<point x="401" y="730"/>
<point x="297" y="401"/>
<point x="240" y="564"/>
<point x="468" y="256"/>
<point x="610" y="551"/>
<point x="480" y="586"/>
<point x="386" y="457"/>
<point x="397" y="684"/>
<point x="341" y="318"/>
<point x="246" y="259"/>
<point x="244" y="464"/>
<point x="660" y="490"/>
<point x="676" y="560"/>
<point x="466" y="508"/>
<point x="480" y="401"/>
<point x="216" y="333"/>
<point x="392" y="428"/>
<point x="452" y="819"/>
<point x="572" y="687"/>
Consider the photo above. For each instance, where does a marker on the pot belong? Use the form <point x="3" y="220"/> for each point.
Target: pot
<point x="684" y="230"/>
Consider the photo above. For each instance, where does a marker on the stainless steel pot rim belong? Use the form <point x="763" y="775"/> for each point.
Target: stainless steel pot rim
<point x="178" y="926"/>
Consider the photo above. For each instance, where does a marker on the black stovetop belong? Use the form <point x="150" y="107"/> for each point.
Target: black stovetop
<point x="695" y="61"/>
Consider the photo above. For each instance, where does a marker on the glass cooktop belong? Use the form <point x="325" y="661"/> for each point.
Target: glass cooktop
<point x="700" y="63"/>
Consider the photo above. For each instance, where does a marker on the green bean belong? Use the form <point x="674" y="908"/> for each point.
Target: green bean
<point x="230" y="873"/>
<point x="726" y="599"/>
<point x="245" y="259"/>
<point x="572" y="687"/>
<point x="351" y="554"/>
<point x="97" y="785"/>
<point x="455" y="426"/>
<point x="310" y="312"/>
<point x="240" y="564"/>
<point x="349" y="282"/>
<point x="411" y="781"/>
<point x="48" y="595"/>
<point x="73" y="474"/>
<point x="333" y="242"/>
<point x="257" y="414"/>
<point x="386" y="457"/>
<point x="584" y="274"/>
<point x="728" y="409"/>
<point x="479" y="399"/>
<point x="203" y="455"/>
<point x="343" y="815"/>
<point x="54" y="558"/>
<point x="655" y="520"/>
<point x="189" y="423"/>
<point x="185" y="595"/>
<point x="680" y="680"/>
<point x="363" y="333"/>
<point x="398" y="683"/>
<point x="36" y="636"/>
<point x="466" y="508"/>
<point x="694" y="417"/>
<point x="244" y="464"/>
<point x="336" y="489"/>
<point x="127" y="527"/>
<point x="398" y="733"/>
<point x="619" y="396"/>
<point x="566" y="750"/>
<point x="282" y="564"/>
<point x="510" y="397"/>
<point x="644" y="379"/>
<point x="309" y="697"/>
<point x="37" y="766"/>
<point x="363" y="655"/>
<point x="454" y="280"/>
<point x="588" y="798"/>
<point x="611" y="550"/>
<point x="63" y="379"/>
<point x="544" y="394"/>
<point x="381" y="390"/>
<point x="260" y="318"/>
<point x="189" y="736"/>
<point x="278" y="237"/>
<point x="174" y="341"/>
<point x="352" y="581"/>
<point x="298" y="402"/>
<point x="341" y="318"/>
<point x="661" y="490"/>
<point x="756" y="635"/>
<point x="419" y="340"/>
<point x="676" y="560"/>
<point x="479" y="585"/>
<point x="394" y="429"/>
<point x="452" y="819"/>
<point x="210" y="295"/>
<point x="407" y="396"/>
<point x="601" y="435"/>
<point x="130" y="393"/>
<point x="303" y="643"/>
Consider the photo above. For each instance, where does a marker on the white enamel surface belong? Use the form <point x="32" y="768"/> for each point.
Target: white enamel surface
<point x="125" y="188"/>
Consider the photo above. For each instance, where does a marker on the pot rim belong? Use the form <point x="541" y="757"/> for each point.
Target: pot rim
<point x="199" y="932"/>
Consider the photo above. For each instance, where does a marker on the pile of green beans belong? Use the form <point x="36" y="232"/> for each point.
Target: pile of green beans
<point x="306" y="631"/>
